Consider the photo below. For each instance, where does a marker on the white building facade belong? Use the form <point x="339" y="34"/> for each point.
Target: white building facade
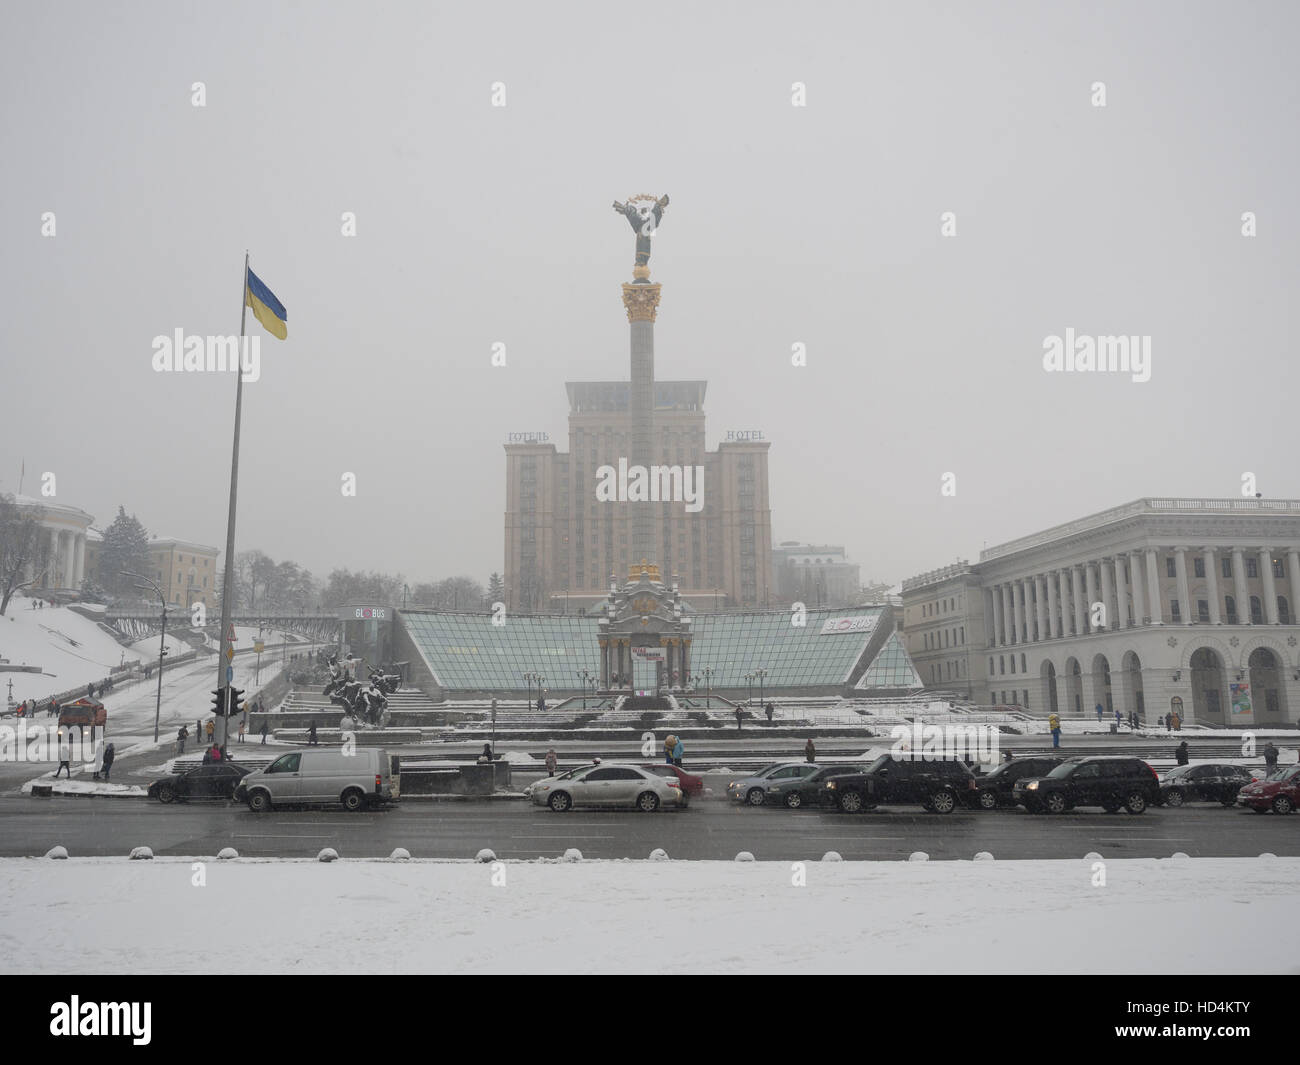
<point x="1157" y="606"/>
<point x="62" y="551"/>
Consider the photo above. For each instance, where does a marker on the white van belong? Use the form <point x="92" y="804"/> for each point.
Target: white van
<point x="363" y="777"/>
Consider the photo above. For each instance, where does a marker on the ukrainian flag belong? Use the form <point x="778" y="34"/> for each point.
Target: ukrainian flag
<point x="267" y="309"/>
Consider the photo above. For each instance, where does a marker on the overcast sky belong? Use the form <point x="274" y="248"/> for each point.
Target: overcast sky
<point x="816" y="224"/>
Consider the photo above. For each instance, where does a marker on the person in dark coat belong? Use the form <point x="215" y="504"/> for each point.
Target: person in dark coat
<point x="311" y="735"/>
<point x="1180" y="753"/>
<point x="486" y="756"/>
<point x="739" y="715"/>
<point x="1270" y="757"/>
<point x="810" y="751"/>
<point x="769" y="711"/>
<point x="109" y="755"/>
<point x="263" y="733"/>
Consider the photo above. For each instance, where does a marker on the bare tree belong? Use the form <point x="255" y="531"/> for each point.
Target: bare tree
<point x="20" y="548"/>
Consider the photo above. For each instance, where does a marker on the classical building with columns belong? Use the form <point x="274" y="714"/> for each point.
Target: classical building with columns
<point x="1159" y="605"/>
<point x="62" y="552"/>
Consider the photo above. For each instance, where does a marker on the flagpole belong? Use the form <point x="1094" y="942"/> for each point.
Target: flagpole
<point x="223" y="723"/>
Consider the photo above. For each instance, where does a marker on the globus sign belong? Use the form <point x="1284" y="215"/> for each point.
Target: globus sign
<point x="860" y="623"/>
<point x="364" y="613"/>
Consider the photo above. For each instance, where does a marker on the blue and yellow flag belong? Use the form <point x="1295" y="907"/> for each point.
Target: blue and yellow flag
<point x="267" y="309"/>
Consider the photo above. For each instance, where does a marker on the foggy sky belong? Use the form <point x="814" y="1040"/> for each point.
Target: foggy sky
<point x="817" y="225"/>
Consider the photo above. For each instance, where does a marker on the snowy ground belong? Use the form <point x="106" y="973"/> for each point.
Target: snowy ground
<point x="72" y="650"/>
<point x="1152" y="916"/>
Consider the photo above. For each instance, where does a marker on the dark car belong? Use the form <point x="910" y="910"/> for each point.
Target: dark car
<point x="1204" y="783"/>
<point x="794" y="792"/>
<point x="215" y="781"/>
<point x="939" y="785"/>
<point x="692" y="785"/>
<point x="995" y="788"/>
<point x="1279" y="792"/>
<point x="1110" y="782"/>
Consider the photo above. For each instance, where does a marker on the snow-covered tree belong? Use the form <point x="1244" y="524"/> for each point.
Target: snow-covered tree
<point x="20" y="544"/>
<point x="125" y="550"/>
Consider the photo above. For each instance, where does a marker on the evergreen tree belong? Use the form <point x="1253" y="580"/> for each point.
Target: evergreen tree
<point x="125" y="550"/>
<point x="496" y="589"/>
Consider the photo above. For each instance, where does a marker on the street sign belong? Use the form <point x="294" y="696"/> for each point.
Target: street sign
<point x="230" y="636"/>
<point x="230" y="654"/>
<point x="230" y="674"/>
<point x="259" y="646"/>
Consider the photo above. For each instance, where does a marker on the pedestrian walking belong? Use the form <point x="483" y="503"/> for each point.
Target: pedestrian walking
<point x="311" y="735"/>
<point x="107" y="763"/>
<point x="1118" y="719"/>
<point x="769" y="711"/>
<point x="264" y="733"/>
<point x="541" y="704"/>
<point x="669" y="742"/>
<point x="241" y="730"/>
<point x="90" y="691"/>
<point x="65" y="756"/>
<point x="212" y="729"/>
<point x="1054" y="724"/>
<point x="1099" y="713"/>
<point x="1177" y="719"/>
<point x="182" y="734"/>
<point x="1180" y="753"/>
<point x="809" y="751"/>
<point x="739" y="715"/>
<point x="551" y="762"/>
<point x="678" y="749"/>
<point x="1270" y="757"/>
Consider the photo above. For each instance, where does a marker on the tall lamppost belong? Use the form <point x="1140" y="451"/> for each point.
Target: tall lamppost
<point x="760" y="672"/>
<point x="528" y="679"/>
<point x="708" y="686"/>
<point x="162" y="644"/>
<point x="749" y="688"/>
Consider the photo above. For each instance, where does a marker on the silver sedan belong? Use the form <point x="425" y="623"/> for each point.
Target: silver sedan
<point x="753" y="789"/>
<point x="607" y="784"/>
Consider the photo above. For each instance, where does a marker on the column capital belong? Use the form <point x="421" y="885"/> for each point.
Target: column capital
<point x="641" y="301"/>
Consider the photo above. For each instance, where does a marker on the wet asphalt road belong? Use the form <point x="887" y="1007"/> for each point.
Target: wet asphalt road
<point x="707" y="830"/>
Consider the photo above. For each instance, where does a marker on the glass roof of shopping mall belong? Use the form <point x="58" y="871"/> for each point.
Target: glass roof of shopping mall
<point x="467" y="652"/>
<point x="891" y="668"/>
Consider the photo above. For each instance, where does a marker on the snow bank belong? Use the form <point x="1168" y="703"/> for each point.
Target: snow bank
<point x="851" y="917"/>
<point x="71" y="650"/>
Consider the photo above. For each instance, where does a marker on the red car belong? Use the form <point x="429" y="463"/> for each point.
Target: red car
<point x="692" y="786"/>
<point x="1279" y="792"/>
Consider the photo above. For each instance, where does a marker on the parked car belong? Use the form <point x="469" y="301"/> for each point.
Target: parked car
<point x="608" y="784"/>
<point x="753" y="789"/>
<point x="692" y="786"/>
<point x="1111" y="782"/>
<point x="215" y="781"/>
<point x="365" y="777"/>
<point x="939" y="785"/>
<point x="1279" y="792"/>
<point x="995" y="789"/>
<point x="1209" y="782"/>
<point x="793" y="792"/>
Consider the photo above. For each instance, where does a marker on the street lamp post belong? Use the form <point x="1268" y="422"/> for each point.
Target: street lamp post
<point x="162" y="646"/>
<point x="708" y="687"/>
<point x="761" y="673"/>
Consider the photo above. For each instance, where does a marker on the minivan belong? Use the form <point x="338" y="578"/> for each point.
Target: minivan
<point x="356" y="779"/>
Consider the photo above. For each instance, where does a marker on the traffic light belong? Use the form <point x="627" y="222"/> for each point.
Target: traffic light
<point x="226" y="701"/>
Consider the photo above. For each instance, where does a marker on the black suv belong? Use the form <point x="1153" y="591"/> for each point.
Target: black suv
<point x="1108" y="782"/>
<point x="994" y="789"/>
<point x="1204" y="783"/>
<point x="939" y="785"/>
